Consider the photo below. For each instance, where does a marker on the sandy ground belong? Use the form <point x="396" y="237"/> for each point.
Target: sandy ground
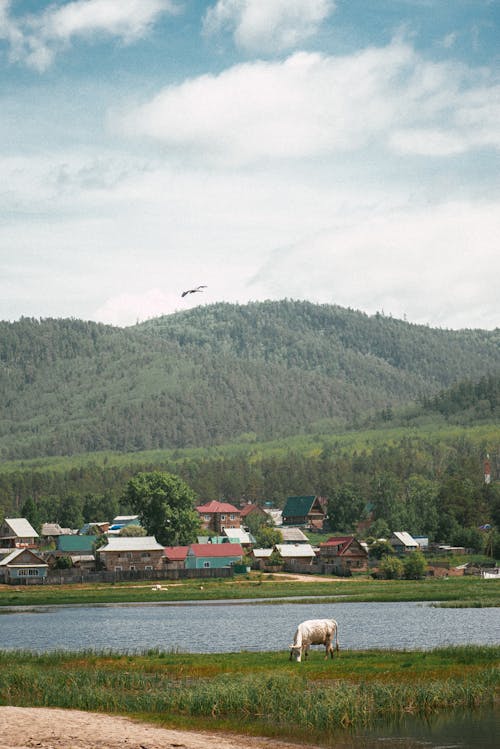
<point x="52" y="728"/>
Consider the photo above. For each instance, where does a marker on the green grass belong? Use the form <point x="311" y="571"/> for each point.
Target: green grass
<point x="462" y="590"/>
<point x="256" y="693"/>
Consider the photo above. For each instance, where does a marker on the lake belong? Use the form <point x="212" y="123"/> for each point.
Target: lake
<point x="233" y="626"/>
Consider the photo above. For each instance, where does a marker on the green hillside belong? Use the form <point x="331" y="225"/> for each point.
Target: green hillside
<point x="217" y="374"/>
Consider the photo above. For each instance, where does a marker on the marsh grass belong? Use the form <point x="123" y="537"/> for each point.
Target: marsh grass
<point x="256" y="692"/>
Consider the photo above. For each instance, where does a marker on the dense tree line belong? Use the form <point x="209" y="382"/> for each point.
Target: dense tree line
<point x="212" y="374"/>
<point x="427" y="487"/>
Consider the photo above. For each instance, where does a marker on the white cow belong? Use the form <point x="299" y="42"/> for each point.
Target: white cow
<point x="314" y="632"/>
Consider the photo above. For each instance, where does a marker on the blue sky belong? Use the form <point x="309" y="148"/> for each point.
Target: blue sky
<point x="343" y="152"/>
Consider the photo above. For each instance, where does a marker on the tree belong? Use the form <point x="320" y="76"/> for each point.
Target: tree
<point x="267" y="536"/>
<point x="415" y="566"/>
<point x="345" y="508"/>
<point x="391" y="568"/>
<point x="166" y="507"/>
<point x="133" y="530"/>
<point x="381" y="549"/>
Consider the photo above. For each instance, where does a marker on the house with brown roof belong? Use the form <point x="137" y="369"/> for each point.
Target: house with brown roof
<point x="344" y="553"/>
<point x="175" y="557"/>
<point x="218" y="515"/>
<point x="22" y="566"/>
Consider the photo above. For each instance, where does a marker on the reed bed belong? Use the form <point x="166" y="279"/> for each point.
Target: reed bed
<point x="255" y="691"/>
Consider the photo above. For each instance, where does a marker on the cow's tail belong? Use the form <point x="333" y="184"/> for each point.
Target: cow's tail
<point x="337" y="646"/>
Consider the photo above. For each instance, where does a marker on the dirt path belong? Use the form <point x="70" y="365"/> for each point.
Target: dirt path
<point x="47" y="728"/>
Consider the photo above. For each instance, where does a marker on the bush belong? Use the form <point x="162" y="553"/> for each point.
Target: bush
<point x="391" y="568"/>
<point x="415" y="566"/>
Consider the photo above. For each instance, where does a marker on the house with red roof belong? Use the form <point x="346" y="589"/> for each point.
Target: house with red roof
<point x="344" y="553"/>
<point x="215" y="556"/>
<point x="218" y="515"/>
<point x="175" y="557"/>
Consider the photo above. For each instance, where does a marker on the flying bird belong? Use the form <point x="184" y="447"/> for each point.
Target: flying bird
<point x="193" y="291"/>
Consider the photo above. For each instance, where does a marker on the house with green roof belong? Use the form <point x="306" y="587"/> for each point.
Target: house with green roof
<point x="304" y="511"/>
<point x="75" y="544"/>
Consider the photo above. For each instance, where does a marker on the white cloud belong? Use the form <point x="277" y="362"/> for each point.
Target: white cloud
<point x="127" y="309"/>
<point x="310" y="105"/>
<point x="36" y="39"/>
<point x="268" y="25"/>
<point x="423" y="263"/>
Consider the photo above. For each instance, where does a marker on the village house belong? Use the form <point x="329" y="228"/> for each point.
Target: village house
<point x="304" y="511"/>
<point x="251" y="510"/>
<point x="296" y="553"/>
<point x="129" y="553"/>
<point x="402" y="542"/>
<point x="175" y="557"/>
<point x="218" y="515"/>
<point x="344" y="553"/>
<point x="17" y="533"/>
<point x="205" y="556"/>
<point x="239" y="536"/>
<point x="293" y="536"/>
<point x="22" y="566"/>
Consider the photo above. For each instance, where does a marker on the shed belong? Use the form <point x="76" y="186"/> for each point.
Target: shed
<point x="402" y="542"/>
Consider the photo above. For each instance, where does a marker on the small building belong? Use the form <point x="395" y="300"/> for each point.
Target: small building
<point x="17" y="533"/>
<point x="175" y="557"/>
<point x="239" y="536"/>
<point x="345" y="553"/>
<point x="50" y="531"/>
<point x="22" y="565"/>
<point x="305" y="511"/>
<point x="205" y="556"/>
<point x="293" y="535"/>
<point x="296" y="553"/>
<point x="218" y="515"/>
<point x="403" y="543"/>
<point x="261" y="556"/>
<point x="129" y="553"/>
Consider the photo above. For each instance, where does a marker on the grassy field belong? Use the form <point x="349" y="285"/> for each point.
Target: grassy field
<point x="466" y="591"/>
<point x="257" y="693"/>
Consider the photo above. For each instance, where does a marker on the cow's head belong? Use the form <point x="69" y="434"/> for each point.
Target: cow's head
<point x="295" y="653"/>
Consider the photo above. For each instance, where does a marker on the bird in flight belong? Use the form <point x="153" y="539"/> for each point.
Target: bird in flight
<point x="193" y="291"/>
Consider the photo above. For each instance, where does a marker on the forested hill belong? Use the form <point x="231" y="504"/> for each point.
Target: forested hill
<point x="215" y="373"/>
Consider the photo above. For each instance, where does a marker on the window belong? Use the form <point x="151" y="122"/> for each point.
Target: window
<point x="145" y="555"/>
<point x="118" y="569"/>
<point x="28" y="573"/>
<point x="206" y="518"/>
<point x="132" y="567"/>
<point x="222" y="517"/>
<point x="231" y="517"/>
<point x="206" y="564"/>
<point x="148" y="567"/>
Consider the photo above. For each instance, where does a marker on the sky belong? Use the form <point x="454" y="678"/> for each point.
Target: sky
<point x="339" y="151"/>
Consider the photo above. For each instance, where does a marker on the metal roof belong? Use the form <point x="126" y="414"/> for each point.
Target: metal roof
<point x="217" y="507"/>
<point x="295" y="550"/>
<point x="215" y="550"/>
<point x="405" y="538"/>
<point x="21" y="527"/>
<point x="8" y="560"/>
<point x="293" y="535"/>
<point x="132" y="543"/>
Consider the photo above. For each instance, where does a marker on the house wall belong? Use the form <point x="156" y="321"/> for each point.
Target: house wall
<point x="130" y="560"/>
<point x="196" y="563"/>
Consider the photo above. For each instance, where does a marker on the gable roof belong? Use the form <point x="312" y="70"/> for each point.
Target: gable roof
<point x="404" y="538"/>
<point x="287" y="551"/>
<point x="132" y="543"/>
<point x="176" y="553"/>
<point x="215" y="550"/>
<point x="343" y="543"/>
<point x="54" y="529"/>
<point x="215" y="506"/>
<point x="21" y="527"/>
<point x="10" y="559"/>
<point x="293" y="535"/>
<point x="298" y="506"/>
<point x="249" y="508"/>
<point x="239" y="535"/>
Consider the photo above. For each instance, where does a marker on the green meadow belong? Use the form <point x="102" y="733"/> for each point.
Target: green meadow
<point x="464" y="591"/>
<point x="257" y="693"/>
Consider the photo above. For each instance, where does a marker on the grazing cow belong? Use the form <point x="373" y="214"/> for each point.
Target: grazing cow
<point x="314" y="632"/>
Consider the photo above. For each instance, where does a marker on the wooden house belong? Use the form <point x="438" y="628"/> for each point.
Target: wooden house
<point x="403" y="543"/>
<point x="345" y="553"/>
<point x="296" y="553"/>
<point x="218" y="515"/>
<point x="128" y="553"/>
<point x="205" y="556"/>
<point x="17" y="533"/>
<point x="251" y="510"/>
<point x="22" y="565"/>
<point x="175" y="557"/>
<point x="304" y="511"/>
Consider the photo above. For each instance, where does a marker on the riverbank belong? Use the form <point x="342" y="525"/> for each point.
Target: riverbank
<point x="52" y="728"/>
<point x="256" y="694"/>
<point x="470" y="590"/>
